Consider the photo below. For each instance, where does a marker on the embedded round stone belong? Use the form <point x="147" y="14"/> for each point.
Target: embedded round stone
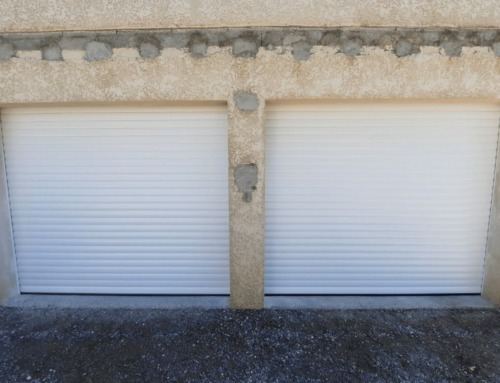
<point x="246" y="101"/>
<point x="148" y="50"/>
<point x="52" y="53"/>
<point x="98" y="51"/>
<point x="244" y="48"/>
<point x="6" y="51"/>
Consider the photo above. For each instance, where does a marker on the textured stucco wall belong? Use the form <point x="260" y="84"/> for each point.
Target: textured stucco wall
<point x="327" y="73"/>
<point x="177" y="76"/>
<point x="246" y="219"/>
<point x="56" y="15"/>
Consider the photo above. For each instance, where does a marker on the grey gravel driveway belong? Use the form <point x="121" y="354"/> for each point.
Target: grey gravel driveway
<point x="199" y="345"/>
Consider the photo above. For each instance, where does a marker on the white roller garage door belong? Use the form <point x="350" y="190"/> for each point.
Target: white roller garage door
<point x="119" y="200"/>
<point x="378" y="199"/>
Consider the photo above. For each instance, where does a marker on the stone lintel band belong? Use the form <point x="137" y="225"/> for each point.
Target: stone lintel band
<point x="246" y="43"/>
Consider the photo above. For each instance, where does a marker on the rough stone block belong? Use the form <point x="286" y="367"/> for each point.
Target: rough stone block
<point x="351" y="47"/>
<point x="487" y="36"/>
<point x="386" y="40"/>
<point x="6" y="51"/>
<point x="246" y="101"/>
<point x="293" y="37"/>
<point x="245" y="47"/>
<point x="98" y="51"/>
<point x="301" y="50"/>
<point x="215" y="37"/>
<point x="313" y="36"/>
<point x="52" y="53"/>
<point x="198" y="49"/>
<point x="373" y="37"/>
<point x="273" y="39"/>
<point x="75" y="43"/>
<point x="331" y="38"/>
<point x="198" y="46"/>
<point x="431" y="37"/>
<point x="177" y="39"/>
<point x="149" y="50"/>
<point x="246" y="178"/>
<point x="404" y="48"/>
<point x="129" y="39"/>
<point x="496" y="49"/>
<point x="27" y="42"/>
<point x="452" y="48"/>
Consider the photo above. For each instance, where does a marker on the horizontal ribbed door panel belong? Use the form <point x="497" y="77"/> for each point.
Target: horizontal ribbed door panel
<point x="378" y="198"/>
<point x="119" y="200"/>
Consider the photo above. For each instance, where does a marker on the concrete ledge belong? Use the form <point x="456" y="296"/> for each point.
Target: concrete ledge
<point x="378" y="302"/>
<point x="117" y="302"/>
<point x="274" y="302"/>
<point x="56" y="15"/>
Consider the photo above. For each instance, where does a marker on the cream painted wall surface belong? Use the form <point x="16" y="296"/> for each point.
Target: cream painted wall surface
<point x="56" y="15"/>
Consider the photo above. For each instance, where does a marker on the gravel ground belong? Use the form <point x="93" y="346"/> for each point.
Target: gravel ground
<point x="194" y="345"/>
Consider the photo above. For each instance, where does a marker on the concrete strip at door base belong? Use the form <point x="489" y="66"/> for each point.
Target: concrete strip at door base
<point x="272" y="302"/>
<point x="378" y="302"/>
<point x="41" y="301"/>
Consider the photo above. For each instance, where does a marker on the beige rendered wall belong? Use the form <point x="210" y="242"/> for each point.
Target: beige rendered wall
<point x="246" y="218"/>
<point x="177" y="76"/>
<point x="57" y="15"/>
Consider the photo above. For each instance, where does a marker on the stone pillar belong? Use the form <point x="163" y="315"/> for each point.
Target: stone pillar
<point x="246" y="199"/>
<point x="8" y="274"/>
<point x="491" y="285"/>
